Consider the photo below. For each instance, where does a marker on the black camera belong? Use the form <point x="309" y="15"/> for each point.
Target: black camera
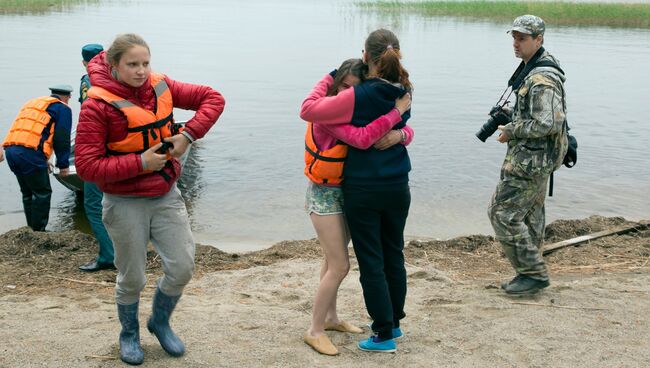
<point x="497" y="117"/>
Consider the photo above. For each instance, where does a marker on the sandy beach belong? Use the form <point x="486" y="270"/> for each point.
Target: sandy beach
<point x="251" y="309"/>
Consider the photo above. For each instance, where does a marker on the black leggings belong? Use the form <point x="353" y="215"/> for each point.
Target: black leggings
<point x="376" y="219"/>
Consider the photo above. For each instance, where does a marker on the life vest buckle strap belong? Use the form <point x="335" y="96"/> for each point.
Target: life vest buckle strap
<point x="145" y="140"/>
<point x="156" y="124"/>
<point x="317" y="156"/>
<point x="118" y="153"/>
<point x="162" y="172"/>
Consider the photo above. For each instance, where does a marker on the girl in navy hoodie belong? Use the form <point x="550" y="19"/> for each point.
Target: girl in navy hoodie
<point x="326" y="147"/>
<point x="375" y="186"/>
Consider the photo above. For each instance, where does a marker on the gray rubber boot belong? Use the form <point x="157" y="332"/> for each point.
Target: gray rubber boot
<point x="130" y="349"/>
<point x="163" y="306"/>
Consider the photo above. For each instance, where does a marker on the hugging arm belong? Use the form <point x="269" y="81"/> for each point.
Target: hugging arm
<point x="324" y="109"/>
<point x="364" y="137"/>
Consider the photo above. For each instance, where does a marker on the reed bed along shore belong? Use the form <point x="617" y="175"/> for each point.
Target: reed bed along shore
<point x="38" y="6"/>
<point x="623" y="15"/>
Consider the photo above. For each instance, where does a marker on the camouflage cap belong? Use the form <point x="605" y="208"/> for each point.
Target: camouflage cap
<point x="529" y="24"/>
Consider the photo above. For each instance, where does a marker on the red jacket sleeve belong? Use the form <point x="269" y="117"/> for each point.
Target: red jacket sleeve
<point x="207" y="103"/>
<point x="320" y="109"/>
<point x="90" y="148"/>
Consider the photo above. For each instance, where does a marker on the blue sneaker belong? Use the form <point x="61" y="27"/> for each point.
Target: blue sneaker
<point x="397" y="333"/>
<point x="373" y="344"/>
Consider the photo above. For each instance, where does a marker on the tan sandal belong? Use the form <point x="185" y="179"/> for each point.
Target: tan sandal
<point x="343" y="326"/>
<point x="321" y="344"/>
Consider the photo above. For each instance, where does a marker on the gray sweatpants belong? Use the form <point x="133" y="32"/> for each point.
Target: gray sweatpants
<point x="133" y="221"/>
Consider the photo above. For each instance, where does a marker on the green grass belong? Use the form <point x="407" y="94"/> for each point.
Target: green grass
<point x="554" y="13"/>
<point x="37" y="6"/>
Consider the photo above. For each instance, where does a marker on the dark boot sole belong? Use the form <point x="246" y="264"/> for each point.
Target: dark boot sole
<point x="131" y="363"/>
<point x="526" y="292"/>
<point x="174" y="354"/>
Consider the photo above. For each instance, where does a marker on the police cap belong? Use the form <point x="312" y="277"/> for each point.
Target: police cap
<point x="61" y="89"/>
<point x="90" y="50"/>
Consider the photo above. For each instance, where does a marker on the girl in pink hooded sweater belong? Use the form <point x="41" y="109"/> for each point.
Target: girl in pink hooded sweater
<point x="324" y="202"/>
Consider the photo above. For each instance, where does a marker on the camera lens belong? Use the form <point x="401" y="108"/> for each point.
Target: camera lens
<point x="487" y="129"/>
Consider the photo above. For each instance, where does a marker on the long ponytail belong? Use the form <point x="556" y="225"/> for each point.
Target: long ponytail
<point x="384" y="51"/>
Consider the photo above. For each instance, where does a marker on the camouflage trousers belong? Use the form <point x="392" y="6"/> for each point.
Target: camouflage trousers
<point x="517" y="215"/>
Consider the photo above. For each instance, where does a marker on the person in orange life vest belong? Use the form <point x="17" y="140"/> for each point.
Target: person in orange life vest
<point x="92" y="195"/>
<point x="42" y="127"/>
<point x="122" y="127"/>
<point x="324" y="159"/>
<point x="375" y="190"/>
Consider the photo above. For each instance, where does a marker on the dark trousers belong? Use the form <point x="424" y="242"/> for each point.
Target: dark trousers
<point x="37" y="193"/>
<point x="376" y="219"/>
<point x="93" y="206"/>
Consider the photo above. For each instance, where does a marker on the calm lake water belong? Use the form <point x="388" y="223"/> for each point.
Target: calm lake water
<point x="244" y="184"/>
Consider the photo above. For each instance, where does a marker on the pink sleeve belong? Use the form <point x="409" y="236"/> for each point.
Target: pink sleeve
<point x="364" y="137"/>
<point x="408" y="131"/>
<point x="318" y="107"/>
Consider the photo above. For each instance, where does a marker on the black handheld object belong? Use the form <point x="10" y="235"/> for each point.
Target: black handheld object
<point x="571" y="156"/>
<point x="497" y="117"/>
<point x="166" y="146"/>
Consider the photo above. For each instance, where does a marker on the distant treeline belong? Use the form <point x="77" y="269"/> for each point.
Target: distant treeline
<point x="629" y="15"/>
<point x="37" y="6"/>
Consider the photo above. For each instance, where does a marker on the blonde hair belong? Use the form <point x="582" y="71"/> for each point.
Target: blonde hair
<point x="123" y="43"/>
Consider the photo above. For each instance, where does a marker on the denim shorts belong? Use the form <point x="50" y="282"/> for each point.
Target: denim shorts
<point x="323" y="200"/>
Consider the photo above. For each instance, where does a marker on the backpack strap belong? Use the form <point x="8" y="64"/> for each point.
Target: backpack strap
<point x="548" y="63"/>
<point x="550" y="185"/>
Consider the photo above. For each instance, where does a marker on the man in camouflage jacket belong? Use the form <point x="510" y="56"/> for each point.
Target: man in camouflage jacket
<point x="537" y="143"/>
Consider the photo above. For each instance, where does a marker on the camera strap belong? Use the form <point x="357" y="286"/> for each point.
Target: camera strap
<point x="520" y="75"/>
<point x="524" y="69"/>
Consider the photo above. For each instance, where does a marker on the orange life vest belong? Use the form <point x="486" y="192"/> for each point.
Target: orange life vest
<point x="145" y="128"/>
<point x="32" y="120"/>
<point x="323" y="167"/>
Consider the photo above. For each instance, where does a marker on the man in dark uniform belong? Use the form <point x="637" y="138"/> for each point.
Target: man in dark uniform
<point x="42" y="126"/>
<point x="92" y="195"/>
<point x="88" y="52"/>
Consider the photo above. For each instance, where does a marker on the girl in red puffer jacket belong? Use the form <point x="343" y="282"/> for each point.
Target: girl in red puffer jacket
<point x="126" y="143"/>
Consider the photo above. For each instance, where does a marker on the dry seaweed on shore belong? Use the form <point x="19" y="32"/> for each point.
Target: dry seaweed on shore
<point x="35" y="262"/>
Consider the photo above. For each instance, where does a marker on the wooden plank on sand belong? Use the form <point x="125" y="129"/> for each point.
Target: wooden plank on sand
<point x="585" y="238"/>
